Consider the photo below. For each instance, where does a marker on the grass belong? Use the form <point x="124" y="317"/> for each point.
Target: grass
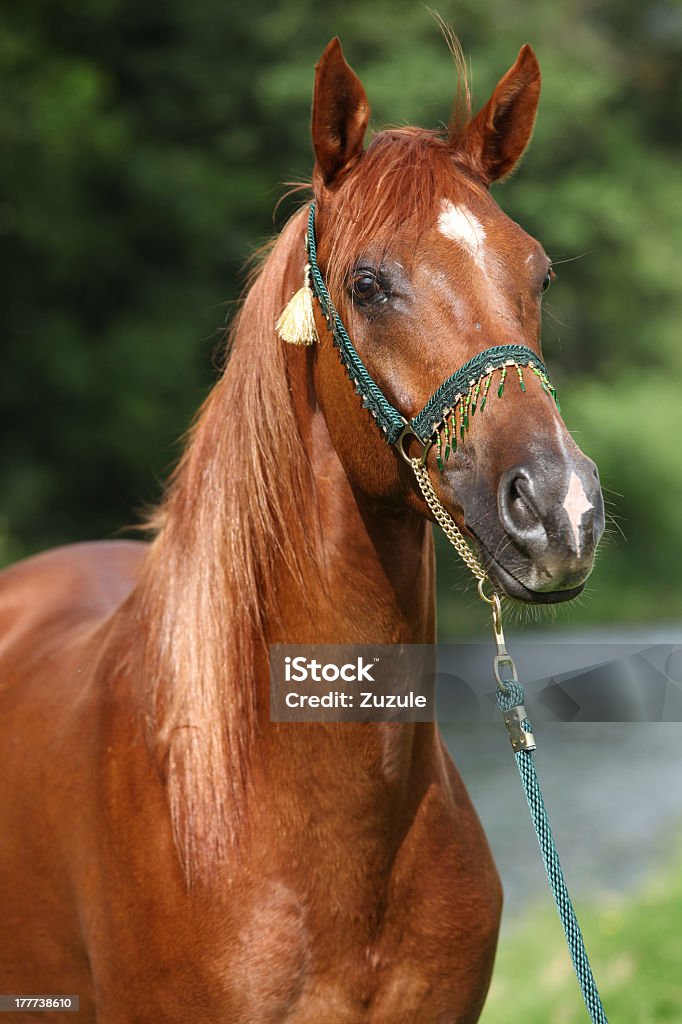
<point x="635" y="950"/>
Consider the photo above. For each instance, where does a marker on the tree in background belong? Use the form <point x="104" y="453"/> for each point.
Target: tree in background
<point x="143" y="150"/>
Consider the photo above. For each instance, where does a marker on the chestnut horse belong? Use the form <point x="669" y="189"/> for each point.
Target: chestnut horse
<point x="167" y="852"/>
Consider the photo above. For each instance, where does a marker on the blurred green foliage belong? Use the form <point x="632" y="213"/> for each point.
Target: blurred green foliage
<point x="635" y="946"/>
<point x="143" y="150"/>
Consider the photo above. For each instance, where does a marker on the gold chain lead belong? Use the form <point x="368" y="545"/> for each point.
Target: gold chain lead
<point x="503" y="664"/>
<point x="447" y="523"/>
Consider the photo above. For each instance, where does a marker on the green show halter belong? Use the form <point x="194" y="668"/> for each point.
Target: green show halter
<point x="460" y="390"/>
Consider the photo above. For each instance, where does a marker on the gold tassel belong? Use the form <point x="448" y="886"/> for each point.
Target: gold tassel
<point x="297" y="321"/>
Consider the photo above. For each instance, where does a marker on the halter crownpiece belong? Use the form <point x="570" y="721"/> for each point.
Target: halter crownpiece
<point x="445" y="418"/>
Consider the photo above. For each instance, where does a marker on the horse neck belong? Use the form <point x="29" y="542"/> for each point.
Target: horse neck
<point x="372" y="577"/>
<point x="262" y="539"/>
<point x="373" y="582"/>
<point x="370" y="580"/>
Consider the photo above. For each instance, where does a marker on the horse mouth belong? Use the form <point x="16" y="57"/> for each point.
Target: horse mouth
<point x="513" y="588"/>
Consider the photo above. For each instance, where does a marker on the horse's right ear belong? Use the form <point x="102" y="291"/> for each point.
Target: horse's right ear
<point x="340" y="115"/>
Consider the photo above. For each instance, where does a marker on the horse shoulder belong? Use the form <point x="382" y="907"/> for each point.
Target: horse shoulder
<point x="445" y="903"/>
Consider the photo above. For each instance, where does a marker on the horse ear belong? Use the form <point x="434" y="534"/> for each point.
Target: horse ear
<point x="500" y="132"/>
<point x="340" y="114"/>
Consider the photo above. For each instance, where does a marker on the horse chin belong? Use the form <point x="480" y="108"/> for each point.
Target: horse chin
<point x="513" y="588"/>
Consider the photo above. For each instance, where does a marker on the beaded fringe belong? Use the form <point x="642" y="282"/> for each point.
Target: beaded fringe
<point x="455" y="422"/>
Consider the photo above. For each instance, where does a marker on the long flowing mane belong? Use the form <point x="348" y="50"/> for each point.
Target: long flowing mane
<point x="241" y="501"/>
<point x="235" y="506"/>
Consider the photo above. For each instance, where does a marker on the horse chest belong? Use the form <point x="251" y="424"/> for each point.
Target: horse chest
<point x="418" y="947"/>
<point x="279" y="976"/>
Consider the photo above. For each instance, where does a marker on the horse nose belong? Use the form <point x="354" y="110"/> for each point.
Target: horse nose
<point x="554" y="514"/>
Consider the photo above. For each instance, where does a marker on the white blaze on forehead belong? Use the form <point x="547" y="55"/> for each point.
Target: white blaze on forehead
<point x="576" y="504"/>
<point x="461" y="225"/>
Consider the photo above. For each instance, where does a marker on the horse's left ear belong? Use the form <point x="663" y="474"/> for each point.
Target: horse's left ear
<point x="340" y="114"/>
<point x="500" y="132"/>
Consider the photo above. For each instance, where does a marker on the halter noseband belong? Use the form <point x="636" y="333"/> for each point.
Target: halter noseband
<point x="459" y="393"/>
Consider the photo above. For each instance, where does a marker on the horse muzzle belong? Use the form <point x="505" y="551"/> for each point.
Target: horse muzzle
<point x="550" y="517"/>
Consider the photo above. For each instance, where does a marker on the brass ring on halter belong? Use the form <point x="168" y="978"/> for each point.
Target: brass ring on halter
<point x="405" y="435"/>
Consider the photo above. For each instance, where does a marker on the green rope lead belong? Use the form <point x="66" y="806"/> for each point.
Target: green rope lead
<point x="510" y="698"/>
<point x="531" y="787"/>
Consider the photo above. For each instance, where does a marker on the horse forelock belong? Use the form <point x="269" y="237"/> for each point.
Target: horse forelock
<point x="240" y="501"/>
<point x="397" y="187"/>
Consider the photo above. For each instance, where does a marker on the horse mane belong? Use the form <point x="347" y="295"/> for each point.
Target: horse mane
<point x="242" y="502"/>
<point x="236" y="505"/>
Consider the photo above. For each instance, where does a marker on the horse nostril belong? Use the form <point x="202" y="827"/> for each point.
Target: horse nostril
<point x="517" y="505"/>
<point x="548" y="518"/>
<point x="593" y="472"/>
<point x="520" y="493"/>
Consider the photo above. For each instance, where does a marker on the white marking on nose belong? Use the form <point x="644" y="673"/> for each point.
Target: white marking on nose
<point x="576" y="504"/>
<point x="460" y="224"/>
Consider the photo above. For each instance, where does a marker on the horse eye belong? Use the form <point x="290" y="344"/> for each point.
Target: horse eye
<point x="365" y="285"/>
<point x="549" y="277"/>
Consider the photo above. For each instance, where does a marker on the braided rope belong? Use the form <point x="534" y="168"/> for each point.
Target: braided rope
<point x="456" y="386"/>
<point x="525" y="763"/>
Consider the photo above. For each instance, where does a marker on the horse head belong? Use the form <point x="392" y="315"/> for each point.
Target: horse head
<point x="426" y="272"/>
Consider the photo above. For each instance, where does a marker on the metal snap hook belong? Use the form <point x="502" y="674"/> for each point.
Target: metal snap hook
<point x="507" y="661"/>
<point x="502" y="658"/>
